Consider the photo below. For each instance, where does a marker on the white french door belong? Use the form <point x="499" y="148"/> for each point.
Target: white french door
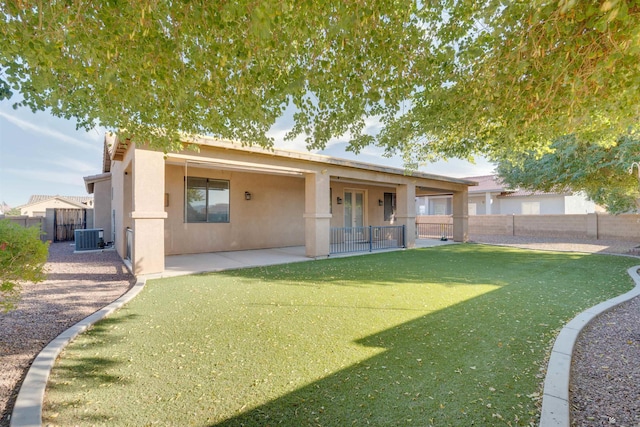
<point x="354" y="208"/>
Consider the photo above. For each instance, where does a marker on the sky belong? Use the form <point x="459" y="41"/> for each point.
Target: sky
<point x="45" y="155"/>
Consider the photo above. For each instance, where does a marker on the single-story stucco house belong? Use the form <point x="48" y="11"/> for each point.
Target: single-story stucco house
<point x="226" y="196"/>
<point x="492" y="197"/>
<point x="38" y="204"/>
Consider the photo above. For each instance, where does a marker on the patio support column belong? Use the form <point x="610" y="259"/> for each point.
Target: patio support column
<point x="406" y="211"/>
<point x="461" y="216"/>
<point x="317" y="217"/>
<point x="487" y="203"/>
<point x="148" y="213"/>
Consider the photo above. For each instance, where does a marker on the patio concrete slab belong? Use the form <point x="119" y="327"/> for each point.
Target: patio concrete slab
<point x="179" y="265"/>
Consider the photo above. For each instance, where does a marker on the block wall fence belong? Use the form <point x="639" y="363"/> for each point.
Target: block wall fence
<point x="45" y="223"/>
<point x="29" y="221"/>
<point x="624" y="227"/>
<point x="583" y="226"/>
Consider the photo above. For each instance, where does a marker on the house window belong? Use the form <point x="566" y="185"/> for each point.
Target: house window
<point x="531" y="208"/>
<point x="389" y="206"/>
<point x="207" y="200"/>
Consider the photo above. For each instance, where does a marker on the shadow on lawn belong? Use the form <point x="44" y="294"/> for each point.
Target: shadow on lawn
<point x="92" y="370"/>
<point x="412" y="381"/>
<point x="458" y="366"/>
<point x="440" y="264"/>
<point x="461" y="365"/>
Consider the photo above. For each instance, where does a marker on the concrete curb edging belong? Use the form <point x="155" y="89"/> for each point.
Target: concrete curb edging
<point x="555" y="397"/>
<point x="27" y="411"/>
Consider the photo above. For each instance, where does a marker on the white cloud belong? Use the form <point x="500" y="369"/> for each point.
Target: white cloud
<point x="81" y="167"/>
<point x="52" y="133"/>
<point x="48" y="177"/>
<point x="458" y="168"/>
<point x="297" y="144"/>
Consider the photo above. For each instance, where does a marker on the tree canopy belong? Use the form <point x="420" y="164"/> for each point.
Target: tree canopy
<point x="605" y="174"/>
<point x="447" y="78"/>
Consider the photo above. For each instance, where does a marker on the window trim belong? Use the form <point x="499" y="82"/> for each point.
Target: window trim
<point x="206" y="201"/>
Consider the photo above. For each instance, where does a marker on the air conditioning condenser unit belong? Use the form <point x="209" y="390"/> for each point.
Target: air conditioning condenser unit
<point x="89" y="239"/>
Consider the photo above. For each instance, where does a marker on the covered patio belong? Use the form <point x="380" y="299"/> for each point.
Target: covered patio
<point x="219" y="196"/>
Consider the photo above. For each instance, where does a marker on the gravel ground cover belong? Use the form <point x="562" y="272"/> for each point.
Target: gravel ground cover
<point x="605" y="370"/>
<point x="615" y="247"/>
<point x="77" y="285"/>
<point x="605" y="373"/>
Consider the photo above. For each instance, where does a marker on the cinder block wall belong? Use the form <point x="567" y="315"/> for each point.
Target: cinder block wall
<point x="501" y="225"/>
<point x="619" y="227"/>
<point x="574" y="226"/>
<point x="586" y="226"/>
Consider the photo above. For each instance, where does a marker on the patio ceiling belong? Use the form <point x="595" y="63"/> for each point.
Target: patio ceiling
<point x="213" y="163"/>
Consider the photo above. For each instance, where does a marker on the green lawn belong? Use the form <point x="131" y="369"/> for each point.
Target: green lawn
<point x="454" y="335"/>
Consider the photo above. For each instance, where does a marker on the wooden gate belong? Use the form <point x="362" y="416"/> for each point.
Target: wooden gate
<point x="66" y="221"/>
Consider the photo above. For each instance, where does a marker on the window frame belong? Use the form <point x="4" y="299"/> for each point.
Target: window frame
<point x="209" y="217"/>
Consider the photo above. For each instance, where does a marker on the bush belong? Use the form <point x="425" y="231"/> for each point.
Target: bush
<point x="22" y="258"/>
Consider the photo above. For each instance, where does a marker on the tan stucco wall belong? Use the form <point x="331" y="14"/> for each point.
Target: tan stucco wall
<point x="272" y="218"/>
<point x="147" y="214"/>
<point x="102" y="207"/>
<point x="120" y="194"/>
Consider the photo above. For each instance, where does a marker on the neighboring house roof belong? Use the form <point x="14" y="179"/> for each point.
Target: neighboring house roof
<point x="493" y="184"/>
<point x="90" y="181"/>
<point x="79" y="201"/>
<point x="521" y="193"/>
<point x="486" y="183"/>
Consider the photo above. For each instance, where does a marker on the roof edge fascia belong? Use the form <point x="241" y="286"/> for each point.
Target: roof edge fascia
<point x="320" y="158"/>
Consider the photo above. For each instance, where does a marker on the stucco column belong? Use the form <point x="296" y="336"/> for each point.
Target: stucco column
<point x="487" y="203"/>
<point x="148" y="213"/>
<point x="317" y="216"/>
<point x="461" y="216"/>
<point x="406" y="211"/>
